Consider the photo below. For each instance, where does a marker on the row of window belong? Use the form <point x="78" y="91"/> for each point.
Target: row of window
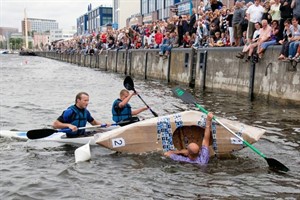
<point x="149" y="6"/>
<point x="102" y="10"/>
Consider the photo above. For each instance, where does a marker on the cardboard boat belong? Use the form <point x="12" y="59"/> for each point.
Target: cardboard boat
<point x="176" y="131"/>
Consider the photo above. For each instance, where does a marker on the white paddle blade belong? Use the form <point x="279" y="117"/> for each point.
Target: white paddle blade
<point x="83" y="153"/>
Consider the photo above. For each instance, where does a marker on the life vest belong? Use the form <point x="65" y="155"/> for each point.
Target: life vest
<point x="121" y="113"/>
<point x="79" y="119"/>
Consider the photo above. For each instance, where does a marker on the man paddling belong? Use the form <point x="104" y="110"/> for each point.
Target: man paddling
<point x="121" y="109"/>
<point x="76" y="116"/>
<point x="191" y="154"/>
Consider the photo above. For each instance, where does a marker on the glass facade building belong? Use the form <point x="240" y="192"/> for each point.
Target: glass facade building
<point x="94" y="20"/>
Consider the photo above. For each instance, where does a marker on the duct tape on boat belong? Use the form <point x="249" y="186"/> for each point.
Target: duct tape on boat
<point x="236" y="141"/>
<point x="118" y="142"/>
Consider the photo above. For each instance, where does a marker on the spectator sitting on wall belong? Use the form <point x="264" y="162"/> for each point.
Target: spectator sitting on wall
<point x="168" y="43"/>
<point x="111" y="42"/>
<point x="246" y="47"/>
<point x="287" y="36"/>
<point x="264" y="35"/>
<point x="216" y="41"/>
<point x="273" y="39"/>
<point x="201" y="34"/>
<point x="158" y="38"/>
<point x="186" y="40"/>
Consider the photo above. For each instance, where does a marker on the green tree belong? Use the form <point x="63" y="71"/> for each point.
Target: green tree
<point x="30" y="45"/>
<point x="15" y="43"/>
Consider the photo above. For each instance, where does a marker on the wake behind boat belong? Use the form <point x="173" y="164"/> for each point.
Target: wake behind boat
<point x="177" y="131"/>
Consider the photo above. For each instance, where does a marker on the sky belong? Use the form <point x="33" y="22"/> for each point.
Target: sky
<point x="65" y="12"/>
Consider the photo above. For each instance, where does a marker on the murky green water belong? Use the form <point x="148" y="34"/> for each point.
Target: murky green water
<point x="34" y="92"/>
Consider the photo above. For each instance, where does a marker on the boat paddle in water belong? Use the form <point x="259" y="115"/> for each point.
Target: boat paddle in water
<point x="45" y="132"/>
<point x="129" y="85"/>
<point x="188" y="98"/>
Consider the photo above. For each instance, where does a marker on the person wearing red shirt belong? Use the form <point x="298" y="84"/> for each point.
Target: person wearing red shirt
<point x="158" y="37"/>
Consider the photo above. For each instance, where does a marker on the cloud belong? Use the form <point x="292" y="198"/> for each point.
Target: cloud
<point x="65" y="12"/>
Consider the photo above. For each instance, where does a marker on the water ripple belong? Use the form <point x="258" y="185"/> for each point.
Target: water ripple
<point x="36" y="93"/>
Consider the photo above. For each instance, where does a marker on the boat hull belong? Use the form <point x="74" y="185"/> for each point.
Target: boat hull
<point x="176" y="132"/>
<point x="55" y="137"/>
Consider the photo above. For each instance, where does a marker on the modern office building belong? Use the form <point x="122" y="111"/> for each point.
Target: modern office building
<point x="94" y="20"/>
<point x="39" y="25"/>
<point x="122" y="10"/>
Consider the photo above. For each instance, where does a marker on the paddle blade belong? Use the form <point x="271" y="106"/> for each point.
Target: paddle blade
<point x="128" y="83"/>
<point x="131" y="120"/>
<point x="40" y="133"/>
<point x="276" y="165"/>
<point x="154" y="113"/>
<point x="183" y="95"/>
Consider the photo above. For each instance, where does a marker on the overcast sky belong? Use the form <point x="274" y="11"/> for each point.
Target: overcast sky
<point x="64" y="12"/>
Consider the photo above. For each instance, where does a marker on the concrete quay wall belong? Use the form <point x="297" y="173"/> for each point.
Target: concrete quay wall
<point x="213" y="68"/>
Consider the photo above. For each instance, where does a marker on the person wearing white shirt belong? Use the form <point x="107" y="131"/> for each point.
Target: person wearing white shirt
<point x="274" y="10"/>
<point x="254" y="14"/>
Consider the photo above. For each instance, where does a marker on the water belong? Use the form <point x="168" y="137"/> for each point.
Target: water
<point x="34" y="92"/>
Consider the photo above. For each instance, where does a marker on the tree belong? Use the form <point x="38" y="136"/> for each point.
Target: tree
<point x="15" y="43"/>
<point x="30" y="45"/>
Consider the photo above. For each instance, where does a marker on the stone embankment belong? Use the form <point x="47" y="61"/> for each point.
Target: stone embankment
<point x="212" y="68"/>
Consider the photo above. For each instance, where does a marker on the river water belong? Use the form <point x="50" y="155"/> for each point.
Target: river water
<point x="34" y="92"/>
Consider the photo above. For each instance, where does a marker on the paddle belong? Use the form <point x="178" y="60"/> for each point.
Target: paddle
<point x="41" y="133"/>
<point x="188" y="98"/>
<point x="129" y="85"/>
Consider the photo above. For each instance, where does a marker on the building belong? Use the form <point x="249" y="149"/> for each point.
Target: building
<point x="122" y="10"/>
<point x="61" y="34"/>
<point x="39" y="25"/>
<point x="156" y="9"/>
<point x="5" y="32"/>
<point x="152" y="10"/>
<point x="94" y="20"/>
<point x="41" y="39"/>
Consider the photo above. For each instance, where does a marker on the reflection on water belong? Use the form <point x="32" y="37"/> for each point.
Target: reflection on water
<point x="34" y="92"/>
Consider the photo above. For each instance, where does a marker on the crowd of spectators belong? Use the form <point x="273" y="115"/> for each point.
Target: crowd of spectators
<point x="255" y="25"/>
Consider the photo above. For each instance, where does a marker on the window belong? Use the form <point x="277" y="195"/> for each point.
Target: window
<point x="169" y="3"/>
<point x="151" y="5"/>
<point x="107" y="11"/>
<point x="144" y="6"/>
<point x="159" y="4"/>
<point x="106" y="20"/>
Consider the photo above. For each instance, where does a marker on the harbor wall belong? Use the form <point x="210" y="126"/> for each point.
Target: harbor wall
<point x="207" y="68"/>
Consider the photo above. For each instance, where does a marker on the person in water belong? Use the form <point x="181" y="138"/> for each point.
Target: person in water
<point x="76" y="116"/>
<point x="121" y="109"/>
<point x="192" y="153"/>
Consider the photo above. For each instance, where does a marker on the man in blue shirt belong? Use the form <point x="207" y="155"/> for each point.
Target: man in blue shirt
<point x="76" y="116"/>
<point x="192" y="153"/>
<point x="121" y="109"/>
